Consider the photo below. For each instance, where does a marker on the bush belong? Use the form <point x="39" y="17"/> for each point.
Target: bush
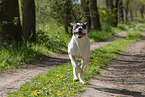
<point x="123" y="27"/>
<point x="97" y="35"/>
<point x="140" y="20"/>
<point x="135" y="34"/>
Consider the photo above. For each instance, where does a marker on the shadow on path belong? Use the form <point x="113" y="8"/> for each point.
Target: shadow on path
<point x="121" y="92"/>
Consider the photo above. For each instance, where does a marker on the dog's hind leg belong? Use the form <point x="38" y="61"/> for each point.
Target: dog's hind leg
<point x="75" y="67"/>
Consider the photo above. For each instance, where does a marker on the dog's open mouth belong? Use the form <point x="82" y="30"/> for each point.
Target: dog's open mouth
<point x="79" y="34"/>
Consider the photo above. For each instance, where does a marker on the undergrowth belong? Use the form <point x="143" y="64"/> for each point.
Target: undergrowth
<point x="109" y="32"/>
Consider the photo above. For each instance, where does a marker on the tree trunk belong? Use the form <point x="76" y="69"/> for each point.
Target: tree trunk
<point x="112" y="11"/>
<point x="67" y="19"/>
<point x="116" y="13"/>
<point x="131" y="15"/>
<point x="95" y="20"/>
<point x="1" y="37"/>
<point x="126" y="10"/>
<point x="142" y="12"/>
<point x="29" y="20"/>
<point x="85" y="4"/>
<point x="10" y="21"/>
<point x="121" y="11"/>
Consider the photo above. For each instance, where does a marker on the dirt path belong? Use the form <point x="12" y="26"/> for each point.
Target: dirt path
<point x="11" y="80"/>
<point x="124" y="76"/>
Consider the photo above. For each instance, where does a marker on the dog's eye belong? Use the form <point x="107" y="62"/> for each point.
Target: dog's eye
<point x="76" y="26"/>
<point x="84" y="26"/>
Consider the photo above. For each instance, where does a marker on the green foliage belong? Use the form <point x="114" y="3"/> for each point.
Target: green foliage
<point x="140" y="20"/>
<point x="12" y="56"/>
<point x="97" y="35"/>
<point x="109" y="32"/>
<point x="123" y="27"/>
<point x="132" y="24"/>
<point x="49" y="41"/>
<point x="135" y="34"/>
<point x="57" y="10"/>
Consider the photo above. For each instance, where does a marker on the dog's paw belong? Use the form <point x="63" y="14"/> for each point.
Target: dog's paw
<point x="84" y="83"/>
<point x="75" y="79"/>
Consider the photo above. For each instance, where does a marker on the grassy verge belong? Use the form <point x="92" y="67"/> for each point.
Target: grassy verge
<point x="109" y="32"/>
<point x="58" y="82"/>
<point x="49" y="41"/>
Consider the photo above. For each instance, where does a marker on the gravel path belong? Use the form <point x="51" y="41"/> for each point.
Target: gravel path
<point x="11" y="80"/>
<point x="124" y="76"/>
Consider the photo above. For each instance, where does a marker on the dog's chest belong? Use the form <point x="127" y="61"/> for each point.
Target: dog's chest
<point x="80" y="49"/>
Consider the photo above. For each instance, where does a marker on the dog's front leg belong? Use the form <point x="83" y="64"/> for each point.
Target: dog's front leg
<point x="84" y="66"/>
<point x="75" y="67"/>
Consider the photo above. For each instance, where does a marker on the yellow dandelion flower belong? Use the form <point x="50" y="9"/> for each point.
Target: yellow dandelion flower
<point x="46" y="91"/>
<point x="60" y="94"/>
<point x="49" y="79"/>
<point x="68" y="69"/>
<point x="50" y="91"/>
<point x="57" y="75"/>
<point x="46" y="25"/>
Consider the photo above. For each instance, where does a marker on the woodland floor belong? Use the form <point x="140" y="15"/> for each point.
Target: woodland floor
<point x="124" y="76"/>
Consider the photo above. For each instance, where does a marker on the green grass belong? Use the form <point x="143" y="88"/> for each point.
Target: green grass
<point x="59" y="81"/>
<point x="49" y="41"/>
<point x="109" y="32"/>
<point x="99" y="35"/>
<point x="135" y="34"/>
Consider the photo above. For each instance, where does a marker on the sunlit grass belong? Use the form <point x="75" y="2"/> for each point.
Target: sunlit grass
<point x="109" y="32"/>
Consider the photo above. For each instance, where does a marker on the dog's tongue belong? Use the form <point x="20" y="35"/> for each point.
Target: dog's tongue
<point x="80" y="35"/>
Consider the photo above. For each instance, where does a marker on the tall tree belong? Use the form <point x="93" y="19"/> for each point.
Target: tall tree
<point x="67" y="16"/>
<point x="112" y="9"/>
<point x="142" y="11"/>
<point x="10" y="21"/>
<point x="85" y="4"/>
<point x="95" y="19"/>
<point x="29" y="20"/>
<point x="126" y="4"/>
<point x="62" y="12"/>
<point x="121" y="10"/>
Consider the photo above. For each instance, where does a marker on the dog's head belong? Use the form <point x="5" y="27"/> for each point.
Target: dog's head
<point x="79" y="29"/>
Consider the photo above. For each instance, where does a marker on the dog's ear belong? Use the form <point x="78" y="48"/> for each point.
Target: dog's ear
<point x="72" y="24"/>
<point x="85" y="23"/>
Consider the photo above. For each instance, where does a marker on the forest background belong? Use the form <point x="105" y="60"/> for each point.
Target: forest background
<point x="30" y="29"/>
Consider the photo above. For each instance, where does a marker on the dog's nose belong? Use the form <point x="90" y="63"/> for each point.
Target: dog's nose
<point x="80" y="29"/>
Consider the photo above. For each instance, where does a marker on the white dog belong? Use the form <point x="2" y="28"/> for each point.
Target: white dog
<point x="79" y="47"/>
